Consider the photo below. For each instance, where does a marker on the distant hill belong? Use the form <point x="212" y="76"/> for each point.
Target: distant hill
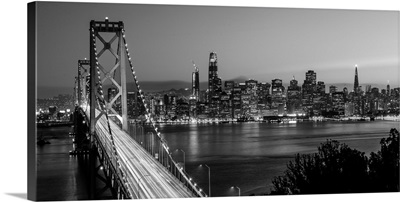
<point x="49" y="92"/>
<point x="156" y="86"/>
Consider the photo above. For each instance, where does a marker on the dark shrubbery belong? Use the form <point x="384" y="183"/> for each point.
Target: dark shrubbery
<point x="336" y="168"/>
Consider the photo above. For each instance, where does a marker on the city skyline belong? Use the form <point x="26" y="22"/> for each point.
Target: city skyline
<point x="213" y="98"/>
<point x="258" y="43"/>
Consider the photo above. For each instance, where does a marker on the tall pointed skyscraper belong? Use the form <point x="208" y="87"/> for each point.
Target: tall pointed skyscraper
<point x="195" y="82"/>
<point x="214" y="82"/>
<point x="212" y="73"/>
<point x="356" y="81"/>
<point x="214" y="85"/>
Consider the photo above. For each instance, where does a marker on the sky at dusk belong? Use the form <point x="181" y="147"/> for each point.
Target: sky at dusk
<point x="258" y="43"/>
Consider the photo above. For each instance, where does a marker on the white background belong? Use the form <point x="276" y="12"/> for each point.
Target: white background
<point x="13" y="93"/>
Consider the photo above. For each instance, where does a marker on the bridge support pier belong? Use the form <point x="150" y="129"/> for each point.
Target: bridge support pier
<point x="80" y="141"/>
<point x="102" y="179"/>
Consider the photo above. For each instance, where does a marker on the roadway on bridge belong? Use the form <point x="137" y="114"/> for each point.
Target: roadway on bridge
<point x="146" y="177"/>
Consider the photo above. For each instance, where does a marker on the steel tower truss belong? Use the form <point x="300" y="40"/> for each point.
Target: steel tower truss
<point x="83" y="72"/>
<point x="115" y="28"/>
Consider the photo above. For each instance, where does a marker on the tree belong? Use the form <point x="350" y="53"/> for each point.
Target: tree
<point x="384" y="165"/>
<point x="336" y="168"/>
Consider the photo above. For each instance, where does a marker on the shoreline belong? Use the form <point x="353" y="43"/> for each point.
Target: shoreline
<point x="285" y="121"/>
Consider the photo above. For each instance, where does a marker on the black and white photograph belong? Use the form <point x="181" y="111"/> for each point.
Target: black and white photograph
<point x="151" y="101"/>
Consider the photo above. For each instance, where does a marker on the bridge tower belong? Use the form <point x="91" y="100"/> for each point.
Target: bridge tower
<point x="99" y="73"/>
<point x="106" y="136"/>
<point x="83" y="72"/>
<point x="80" y="129"/>
<point x="97" y="29"/>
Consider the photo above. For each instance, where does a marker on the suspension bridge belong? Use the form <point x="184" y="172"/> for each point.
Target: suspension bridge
<point x="129" y="157"/>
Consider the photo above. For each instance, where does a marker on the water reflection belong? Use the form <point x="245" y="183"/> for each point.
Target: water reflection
<point x="249" y="155"/>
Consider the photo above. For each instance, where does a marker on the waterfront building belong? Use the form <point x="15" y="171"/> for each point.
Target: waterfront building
<point x="277" y="91"/>
<point x="182" y="109"/>
<point x="338" y="104"/>
<point x="245" y="103"/>
<point x="308" y="90"/>
<point x="294" y="97"/>
<point x="349" y="109"/>
<point x="251" y="89"/>
<point x="193" y="106"/>
<point x="262" y="93"/>
<point x="236" y="101"/>
<point x="226" y="106"/>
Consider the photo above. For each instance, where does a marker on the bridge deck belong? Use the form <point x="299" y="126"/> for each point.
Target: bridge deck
<point x="155" y="180"/>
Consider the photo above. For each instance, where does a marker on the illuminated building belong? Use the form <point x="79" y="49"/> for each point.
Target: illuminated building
<point x="277" y="91"/>
<point x="332" y="89"/>
<point x="356" y="81"/>
<point x="338" y="103"/>
<point x="357" y="95"/>
<point x="131" y="105"/>
<point x="195" y="83"/>
<point x="236" y="101"/>
<point x="214" y="86"/>
<point x="225" y="106"/>
<point x="251" y="89"/>
<point x="263" y="93"/>
<point x="293" y="97"/>
<point x="321" y="88"/>
<point x="308" y="89"/>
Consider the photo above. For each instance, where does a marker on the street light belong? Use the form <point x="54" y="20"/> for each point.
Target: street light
<point x="209" y="178"/>
<point x="236" y="188"/>
<point x="139" y="182"/>
<point x="184" y="154"/>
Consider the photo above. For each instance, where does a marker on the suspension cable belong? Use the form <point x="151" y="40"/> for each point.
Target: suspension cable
<point x="147" y="112"/>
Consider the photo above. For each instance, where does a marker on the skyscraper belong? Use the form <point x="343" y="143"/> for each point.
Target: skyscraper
<point x="214" y="86"/>
<point x="345" y="94"/>
<point x="277" y="93"/>
<point x="293" y="97"/>
<point x="321" y="88"/>
<point x="251" y="89"/>
<point x="195" y="83"/>
<point x="356" y="81"/>
<point x="357" y="96"/>
<point x="308" y="89"/>
<point x="332" y="89"/>
<point x="214" y="82"/>
<point x="311" y="77"/>
<point x="388" y="89"/>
